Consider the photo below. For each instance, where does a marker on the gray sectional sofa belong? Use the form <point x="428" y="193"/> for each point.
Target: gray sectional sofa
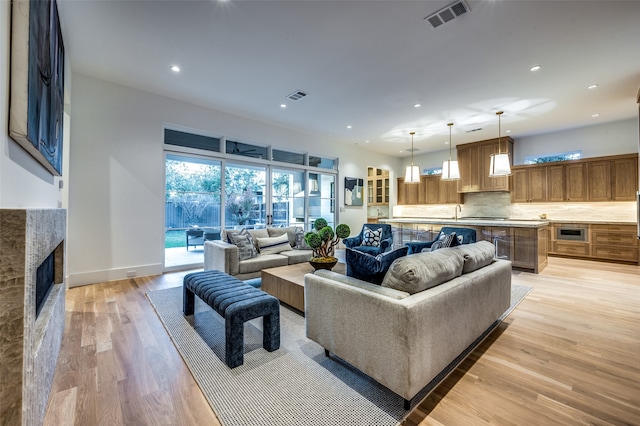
<point x="225" y="257"/>
<point x="428" y="310"/>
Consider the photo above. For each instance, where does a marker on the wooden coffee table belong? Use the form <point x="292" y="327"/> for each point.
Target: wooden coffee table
<point x="287" y="282"/>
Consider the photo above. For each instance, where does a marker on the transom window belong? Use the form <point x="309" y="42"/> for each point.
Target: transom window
<point x="572" y="155"/>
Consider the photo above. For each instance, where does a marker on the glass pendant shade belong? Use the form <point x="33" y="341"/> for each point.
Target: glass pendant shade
<point x="412" y="174"/>
<point x="500" y="165"/>
<point x="450" y="170"/>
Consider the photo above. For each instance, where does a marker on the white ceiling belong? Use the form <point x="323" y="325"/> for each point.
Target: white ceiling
<point x="366" y="63"/>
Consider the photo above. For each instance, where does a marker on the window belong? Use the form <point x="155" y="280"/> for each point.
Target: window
<point x="189" y="140"/>
<point x="246" y="150"/>
<point x="323" y="163"/>
<point x="287" y="157"/>
<point x="573" y="155"/>
<point x="432" y="171"/>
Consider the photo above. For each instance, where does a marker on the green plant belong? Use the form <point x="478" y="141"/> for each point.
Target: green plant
<point x="323" y="239"/>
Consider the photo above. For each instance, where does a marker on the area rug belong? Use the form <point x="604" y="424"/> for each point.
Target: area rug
<point x="294" y="385"/>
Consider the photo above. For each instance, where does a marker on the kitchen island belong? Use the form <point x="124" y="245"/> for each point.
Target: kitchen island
<point x="523" y="242"/>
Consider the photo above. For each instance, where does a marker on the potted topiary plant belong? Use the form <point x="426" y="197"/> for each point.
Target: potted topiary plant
<point x="322" y="241"/>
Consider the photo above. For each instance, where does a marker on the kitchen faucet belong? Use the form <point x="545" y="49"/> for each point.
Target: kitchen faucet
<point x="456" y="211"/>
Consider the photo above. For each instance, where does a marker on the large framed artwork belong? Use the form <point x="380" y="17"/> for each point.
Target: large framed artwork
<point x="37" y="81"/>
<point x="353" y="191"/>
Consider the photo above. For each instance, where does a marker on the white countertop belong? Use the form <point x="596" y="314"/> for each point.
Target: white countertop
<point x="472" y="222"/>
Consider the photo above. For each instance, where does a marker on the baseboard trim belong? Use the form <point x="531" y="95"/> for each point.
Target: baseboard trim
<point x="94" y="277"/>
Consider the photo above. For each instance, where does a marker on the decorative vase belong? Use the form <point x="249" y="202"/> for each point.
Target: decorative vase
<point x="323" y="262"/>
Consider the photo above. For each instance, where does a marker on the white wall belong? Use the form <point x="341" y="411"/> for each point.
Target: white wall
<point x="619" y="137"/>
<point x="116" y="181"/>
<point x="24" y="182"/>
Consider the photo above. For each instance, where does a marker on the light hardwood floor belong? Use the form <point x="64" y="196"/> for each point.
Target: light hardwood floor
<point x="568" y="354"/>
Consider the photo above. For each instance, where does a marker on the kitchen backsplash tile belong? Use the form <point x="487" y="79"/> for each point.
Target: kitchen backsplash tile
<point x="498" y="204"/>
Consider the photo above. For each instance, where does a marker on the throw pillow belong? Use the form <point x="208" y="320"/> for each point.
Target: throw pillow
<point x="274" y="245"/>
<point x="421" y="271"/>
<point x="371" y="268"/>
<point x="371" y="238"/>
<point x="288" y="231"/>
<point x="301" y="244"/>
<point x="445" y="240"/>
<point x="244" y="242"/>
<point x="476" y="255"/>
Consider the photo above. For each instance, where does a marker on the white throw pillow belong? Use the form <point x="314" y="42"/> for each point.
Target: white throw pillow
<point x="274" y="245"/>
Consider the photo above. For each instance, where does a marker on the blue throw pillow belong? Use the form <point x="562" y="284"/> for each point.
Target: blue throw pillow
<point x="371" y="268"/>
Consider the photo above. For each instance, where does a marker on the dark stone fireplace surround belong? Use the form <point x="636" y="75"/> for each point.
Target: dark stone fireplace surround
<point x="29" y="345"/>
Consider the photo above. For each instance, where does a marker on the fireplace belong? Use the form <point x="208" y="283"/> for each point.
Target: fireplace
<point x="44" y="281"/>
<point x="32" y="247"/>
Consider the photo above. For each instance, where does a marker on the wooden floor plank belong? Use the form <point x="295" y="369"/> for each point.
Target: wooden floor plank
<point x="568" y="354"/>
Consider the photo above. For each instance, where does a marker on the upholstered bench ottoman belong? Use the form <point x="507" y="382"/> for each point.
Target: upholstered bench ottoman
<point x="237" y="303"/>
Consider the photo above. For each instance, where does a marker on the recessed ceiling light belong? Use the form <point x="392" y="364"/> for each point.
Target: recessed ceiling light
<point x="175" y="68"/>
<point x="349" y="126"/>
<point x="366" y="141"/>
<point x="595" y="115"/>
<point x="593" y="86"/>
<point x="535" y="67"/>
<point x="508" y="131"/>
<point x="283" y="106"/>
<point x="417" y="105"/>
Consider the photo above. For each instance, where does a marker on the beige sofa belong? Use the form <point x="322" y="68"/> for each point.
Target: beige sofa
<point x="403" y="337"/>
<point x="223" y="256"/>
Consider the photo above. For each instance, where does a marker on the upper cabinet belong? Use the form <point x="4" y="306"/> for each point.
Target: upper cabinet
<point x="431" y="190"/>
<point x="612" y="178"/>
<point x="377" y="186"/>
<point x="474" y="160"/>
<point x="529" y="185"/>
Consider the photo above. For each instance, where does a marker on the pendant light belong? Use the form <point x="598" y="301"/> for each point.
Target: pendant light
<point x="450" y="170"/>
<point x="412" y="173"/>
<point x="500" y="164"/>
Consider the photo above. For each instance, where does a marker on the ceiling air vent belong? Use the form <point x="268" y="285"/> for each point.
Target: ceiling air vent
<point x="447" y="14"/>
<point x="297" y="95"/>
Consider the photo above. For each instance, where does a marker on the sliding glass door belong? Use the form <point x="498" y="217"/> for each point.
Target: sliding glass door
<point x="245" y="197"/>
<point x="214" y="183"/>
<point x="287" y="197"/>
<point x="322" y="198"/>
<point x="192" y="207"/>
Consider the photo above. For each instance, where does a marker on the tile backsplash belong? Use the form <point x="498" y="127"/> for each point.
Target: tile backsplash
<point x="498" y="204"/>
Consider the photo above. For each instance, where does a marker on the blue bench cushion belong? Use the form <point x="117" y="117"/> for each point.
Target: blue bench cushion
<point x="237" y="303"/>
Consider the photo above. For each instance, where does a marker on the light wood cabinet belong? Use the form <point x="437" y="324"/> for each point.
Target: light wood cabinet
<point x="599" y="178"/>
<point x="474" y="160"/>
<point x="448" y="192"/>
<point x="431" y="190"/>
<point x="614" y="242"/>
<point x="609" y="242"/>
<point x="556" y="183"/>
<point x="624" y="179"/>
<point x="576" y="182"/>
<point x="612" y="178"/>
<point x="402" y="192"/>
<point x="411" y="193"/>
<point x="526" y="248"/>
<point x="432" y="184"/>
<point x="529" y="185"/>
<point x="377" y="186"/>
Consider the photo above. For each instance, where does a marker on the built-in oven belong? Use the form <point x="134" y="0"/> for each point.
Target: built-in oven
<point x="572" y="233"/>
